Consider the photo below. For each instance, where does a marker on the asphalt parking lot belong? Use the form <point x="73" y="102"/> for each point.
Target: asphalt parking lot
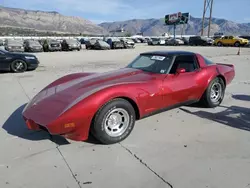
<point x="187" y="147"/>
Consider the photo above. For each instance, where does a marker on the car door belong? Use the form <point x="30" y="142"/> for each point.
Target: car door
<point x="4" y="62"/>
<point x="226" y="40"/>
<point x="231" y="40"/>
<point x="181" y="87"/>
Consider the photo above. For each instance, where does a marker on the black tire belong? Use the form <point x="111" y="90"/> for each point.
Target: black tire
<point x="219" y="44"/>
<point x="237" y="44"/>
<point x="206" y="98"/>
<point x="102" y="132"/>
<point x="15" y="68"/>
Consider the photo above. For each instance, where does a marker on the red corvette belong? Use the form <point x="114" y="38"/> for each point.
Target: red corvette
<point x="108" y="104"/>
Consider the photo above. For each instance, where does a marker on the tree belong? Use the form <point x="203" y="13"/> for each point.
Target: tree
<point x="128" y="34"/>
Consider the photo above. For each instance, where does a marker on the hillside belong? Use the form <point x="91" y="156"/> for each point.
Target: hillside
<point x="155" y="27"/>
<point x="47" y="21"/>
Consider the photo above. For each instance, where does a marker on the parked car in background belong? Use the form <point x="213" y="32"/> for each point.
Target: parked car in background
<point x="175" y="42"/>
<point x="156" y="41"/>
<point x="136" y="40"/>
<point x="17" y="62"/>
<point x="1" y="42"/>
<point x="101" y="45"/>
<point x="96" y="44"/>
<point x="115" y="43"/>
<point x="245" y="37"/>
<point x="70" y="45"/>
<point x="82" y="40"/>
<point x="128" y="43"/>
<point x="32" y="46"/>
<point x="14" y="45"/>
<point x="200" y="41"/>
<point x="90" y="44"/>
<point x="52" y="45"/>
<point x="185" y="40"/>
<point x="231" y="41"/>
<point x="143" y="40"/>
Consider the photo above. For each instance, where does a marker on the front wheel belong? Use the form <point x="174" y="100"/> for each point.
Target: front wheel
<point x="214" y="94"/>
<point x="18" y="66"/>
<point x="113" y="122"/>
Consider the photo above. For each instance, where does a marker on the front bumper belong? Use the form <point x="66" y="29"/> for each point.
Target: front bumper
<point x="244" y="43"/>
<point x="55" y="49"/>
<point x="36" y="49"/>
<point x="32" y="63"/>
<point x="74" y="47"/>
<point x="77" y="134"/>
<point x="15" y="49"/>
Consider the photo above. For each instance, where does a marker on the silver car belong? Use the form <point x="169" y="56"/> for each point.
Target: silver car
<point x="14" y="45"/>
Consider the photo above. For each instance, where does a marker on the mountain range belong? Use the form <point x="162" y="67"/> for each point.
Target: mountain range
<point x="56" y="22"/>
<point x="47" y="21"/>
<point x="157" y="27"/>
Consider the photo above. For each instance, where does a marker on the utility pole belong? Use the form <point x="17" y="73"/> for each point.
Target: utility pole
<point x="203" y="17"/>
<point x="208" y="4"/>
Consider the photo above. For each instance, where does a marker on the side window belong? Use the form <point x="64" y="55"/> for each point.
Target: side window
<point x="188" y="62"/>
<point x="208" y="62"/>
<point x="225" y="37"/>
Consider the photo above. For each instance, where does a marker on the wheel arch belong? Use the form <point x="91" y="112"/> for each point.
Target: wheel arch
<point x="223" y="78"/>
<point x="210" y="80"/>
<point x="17" y="59"/>
<point x="133" y="103"/>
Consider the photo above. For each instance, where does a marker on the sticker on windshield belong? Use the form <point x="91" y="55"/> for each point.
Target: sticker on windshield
<point x="159" y="58"/>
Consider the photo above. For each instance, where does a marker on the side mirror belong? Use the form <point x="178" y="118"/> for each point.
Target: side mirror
<point x="180" y="70"/>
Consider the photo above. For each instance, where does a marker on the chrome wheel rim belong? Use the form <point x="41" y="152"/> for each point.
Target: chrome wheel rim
<point x="116" y="122"/>
<point x="216" y="92"/>
<point x="19" y="66"/>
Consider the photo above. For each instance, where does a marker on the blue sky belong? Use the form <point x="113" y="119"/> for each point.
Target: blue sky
<point x="117" y="10"/>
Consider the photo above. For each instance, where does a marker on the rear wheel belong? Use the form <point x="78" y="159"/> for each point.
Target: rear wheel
<point x="113" y="122"/>
<point x="214" y="94"/>
<point x="219" y="44"/>
<point x="18" y="66"/>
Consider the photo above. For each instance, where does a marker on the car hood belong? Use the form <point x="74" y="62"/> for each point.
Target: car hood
<point x="52" y="102"/>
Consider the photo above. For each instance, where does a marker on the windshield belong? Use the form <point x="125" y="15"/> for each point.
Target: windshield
<point x="155" y="39"/>
<point x="53" y="41"/>
<point x="14" y="42"/>
<point x="35" y="43"/>
<point x="3" y="50"/>
<point x="72" y="41"/>
<point x="152" y="63"/>
<point x="115" y="40"/>
<point x="102" y="43"/>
